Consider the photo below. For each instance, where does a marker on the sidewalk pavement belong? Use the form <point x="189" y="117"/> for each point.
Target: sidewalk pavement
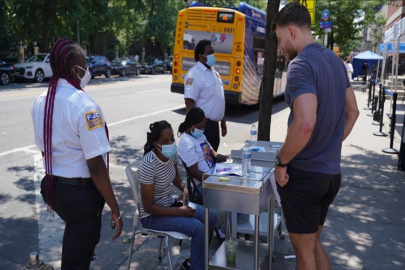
<point x="366" y="223"/>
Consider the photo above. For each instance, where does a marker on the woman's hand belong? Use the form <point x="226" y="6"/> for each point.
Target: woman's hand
<point x="186" y="211"/>
<point x="116" y="221"/>
<point x="221" y="158"/>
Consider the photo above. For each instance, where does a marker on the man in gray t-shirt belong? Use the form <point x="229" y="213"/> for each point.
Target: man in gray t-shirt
<point x="323" y="112"/>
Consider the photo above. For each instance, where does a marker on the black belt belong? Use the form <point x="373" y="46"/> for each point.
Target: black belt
<point x="73" y="181"/>
<point x="211" y="121"/>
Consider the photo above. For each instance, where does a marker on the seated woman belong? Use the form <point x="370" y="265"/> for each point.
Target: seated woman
<point x="196" y="152"/>
<point x="194" y="149"/>
<point x="157" y="209"/>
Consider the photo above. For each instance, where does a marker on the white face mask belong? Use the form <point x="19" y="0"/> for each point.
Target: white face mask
<point x="86" y="77"/>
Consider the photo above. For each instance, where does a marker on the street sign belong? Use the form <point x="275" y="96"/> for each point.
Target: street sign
<point x="328" y="24"/>
<point x="310" y="4"/>
<point x="321" y="25"/>
<point x="325" y="15"/>
<point x="328" y="30"/>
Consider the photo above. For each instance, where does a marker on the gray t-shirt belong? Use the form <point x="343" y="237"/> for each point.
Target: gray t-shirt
<point x="319" y="71"/>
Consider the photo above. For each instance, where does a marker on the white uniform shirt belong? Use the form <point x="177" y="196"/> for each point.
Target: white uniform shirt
<point x="78" y="130"/>
<point x="192" y="151"/>
<point x="205" y="87"/>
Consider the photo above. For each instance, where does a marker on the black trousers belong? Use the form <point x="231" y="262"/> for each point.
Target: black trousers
<point x="212" y="133"/>
<point x="80" y="206"/>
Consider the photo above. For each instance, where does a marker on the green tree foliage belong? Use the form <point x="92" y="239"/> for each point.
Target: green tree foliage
<point x="120" y="24"/>
<point x="348" y="19"/>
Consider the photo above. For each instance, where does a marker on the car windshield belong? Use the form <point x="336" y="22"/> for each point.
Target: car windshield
<point x="119" y="62"/>
<point x="37" y="58"/>
<point x="89" y="58"/>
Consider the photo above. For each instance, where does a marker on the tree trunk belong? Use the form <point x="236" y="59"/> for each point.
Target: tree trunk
<point x="45" y="29"/>
<point x="105" y="42"/>
<point x="270" y="58"/>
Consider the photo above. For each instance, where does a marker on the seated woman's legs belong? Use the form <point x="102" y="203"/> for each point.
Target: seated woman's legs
<point x="191" y="226"/>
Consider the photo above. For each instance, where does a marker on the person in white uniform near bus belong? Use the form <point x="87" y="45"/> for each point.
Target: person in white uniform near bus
<point x="204" y="89"/>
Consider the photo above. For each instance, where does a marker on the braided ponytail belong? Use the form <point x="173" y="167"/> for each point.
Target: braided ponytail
<point x="155" y="128"/>
<point x="194" y="116"/>
<point x="62" y="58"/>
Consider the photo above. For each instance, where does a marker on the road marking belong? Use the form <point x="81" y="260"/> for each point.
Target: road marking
<point x="28" y="150"/>
<point x="147" y="91"/>
<point x="50" y="229"/>
<point x="25" y="149"/>
<point x="146" y="115"/>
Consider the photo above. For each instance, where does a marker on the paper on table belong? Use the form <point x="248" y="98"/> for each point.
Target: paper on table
<point x="274" y="186"/>
<point x="227" y="169"/>
<point x="275" y="146"/>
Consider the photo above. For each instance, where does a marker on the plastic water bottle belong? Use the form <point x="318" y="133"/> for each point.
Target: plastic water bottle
<point x="246" y="160"/>
<point x="253" y="135"/>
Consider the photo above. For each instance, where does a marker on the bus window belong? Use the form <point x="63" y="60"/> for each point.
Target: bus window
<point x="258" y="46"/>
<point x="220" y="42"/>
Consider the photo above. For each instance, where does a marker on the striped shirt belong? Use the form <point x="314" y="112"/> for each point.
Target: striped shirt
<point x="161" y="174"/>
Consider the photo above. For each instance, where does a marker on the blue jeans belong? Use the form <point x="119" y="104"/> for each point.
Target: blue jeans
<point x="223" y="228"/>
<point x="191" y="226"/>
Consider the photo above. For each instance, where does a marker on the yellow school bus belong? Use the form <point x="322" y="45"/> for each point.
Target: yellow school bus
<point x="237" y="36"/>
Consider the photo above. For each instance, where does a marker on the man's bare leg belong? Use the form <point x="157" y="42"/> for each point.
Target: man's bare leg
<point x="322" y="260"/>
<point x="304" y="248"/>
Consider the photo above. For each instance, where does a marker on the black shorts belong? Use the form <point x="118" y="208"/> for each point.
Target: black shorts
<point x="306" y="198"/>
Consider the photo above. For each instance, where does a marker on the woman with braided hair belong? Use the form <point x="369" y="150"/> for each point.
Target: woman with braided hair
<point x="194" y="148"/>
<point x="72" y="135"/>
<point x="157" y="209"/>
<point x="196" y="152"/>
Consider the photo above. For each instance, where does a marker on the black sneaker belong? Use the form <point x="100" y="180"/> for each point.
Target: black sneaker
<point x="186" y="265"/>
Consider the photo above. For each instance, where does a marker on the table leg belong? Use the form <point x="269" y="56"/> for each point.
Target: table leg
<point x="227" y="232"/>
<point x="271" y="230"/>
<point x="206" y="239"/>
<point x="257" y="232"/>
<point x="234" y="226"/>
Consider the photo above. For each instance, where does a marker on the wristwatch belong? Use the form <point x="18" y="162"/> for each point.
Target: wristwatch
<point x="277" y="160"/>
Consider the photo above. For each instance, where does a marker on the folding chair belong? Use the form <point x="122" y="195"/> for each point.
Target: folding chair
<point x="195" y="196"/>
<point x="133" y="178"/>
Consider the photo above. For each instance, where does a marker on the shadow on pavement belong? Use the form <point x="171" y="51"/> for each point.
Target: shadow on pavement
<point x="244" y="114"/>
<point x="365" y="220"/>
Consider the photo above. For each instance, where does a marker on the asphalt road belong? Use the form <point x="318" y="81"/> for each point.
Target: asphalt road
<point x="129" y="104"/>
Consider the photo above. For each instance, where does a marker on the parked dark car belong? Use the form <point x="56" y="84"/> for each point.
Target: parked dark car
<point x="152" y="66"/>
<point x="99" y="65"/>
<point x="125" y="66"/>
<point x="169" y="64"/>
<point x="7" y="72"/>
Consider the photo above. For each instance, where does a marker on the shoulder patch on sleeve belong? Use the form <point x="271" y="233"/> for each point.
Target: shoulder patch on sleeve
<point x="189" y="81"/>
<point x="93" y="120"/>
